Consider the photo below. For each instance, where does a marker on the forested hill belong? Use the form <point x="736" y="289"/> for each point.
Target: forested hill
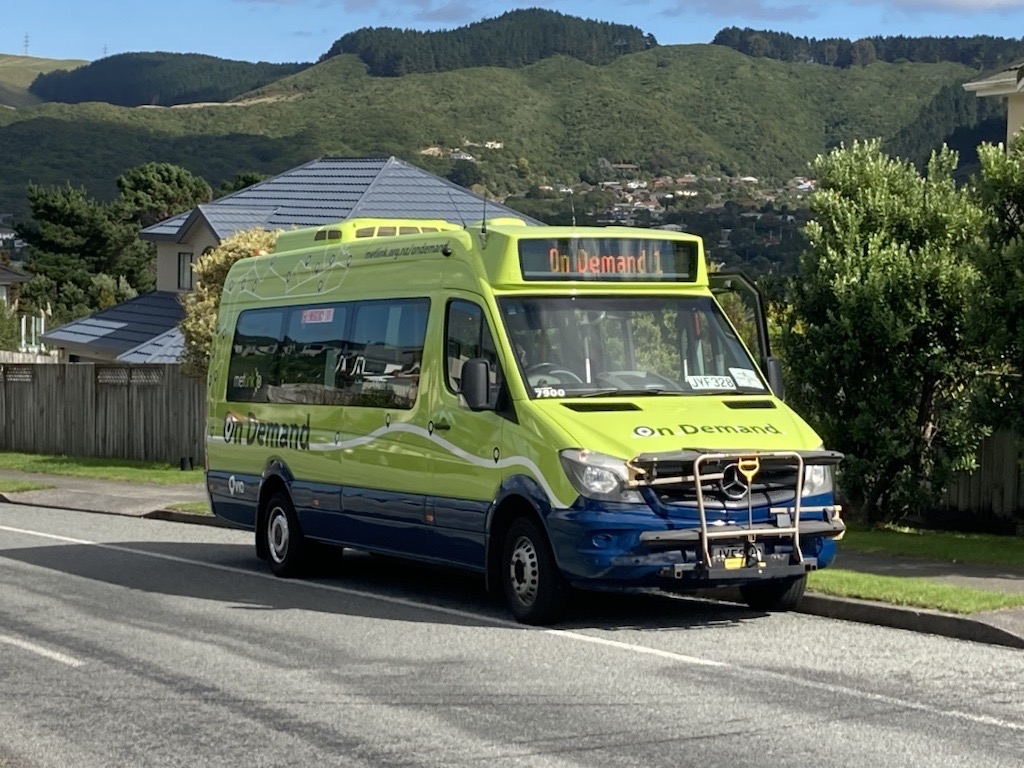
<point x="159" y="79"/>
<point x="981" y="52"/>
<point x="514" y="39"/>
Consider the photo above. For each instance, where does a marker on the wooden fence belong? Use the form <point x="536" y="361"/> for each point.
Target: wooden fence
<point x="144" y="412"/>
<point x="996" y="488"/>
<point x="25" y="357"/>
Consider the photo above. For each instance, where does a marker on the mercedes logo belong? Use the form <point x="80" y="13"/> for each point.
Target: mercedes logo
<point x="733" y="484"/>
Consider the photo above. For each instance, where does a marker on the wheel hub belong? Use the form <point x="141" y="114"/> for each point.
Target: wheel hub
<point x="277" y="535"/>
<point x="524" y="570"/>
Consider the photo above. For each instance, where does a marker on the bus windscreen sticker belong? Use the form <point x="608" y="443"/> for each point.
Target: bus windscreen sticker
<point x="609" y="259"/>
<point x="325" y="315"/>
<point x="746" y="378"/>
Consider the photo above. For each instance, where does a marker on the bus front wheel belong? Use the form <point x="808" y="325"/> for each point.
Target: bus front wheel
<point x="534" y="588"/>
<point x="286" y="546"/>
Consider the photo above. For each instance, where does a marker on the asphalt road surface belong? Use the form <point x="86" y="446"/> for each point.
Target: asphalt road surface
<point x="130" y="642"/>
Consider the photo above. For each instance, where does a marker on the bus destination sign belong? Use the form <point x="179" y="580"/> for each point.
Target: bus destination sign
<point x="613" y="259"/>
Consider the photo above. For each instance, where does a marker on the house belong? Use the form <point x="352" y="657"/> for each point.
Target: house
<point x="1009" y="82"/>
<point x="323" y="191"/>
<point x="8" y="278"/>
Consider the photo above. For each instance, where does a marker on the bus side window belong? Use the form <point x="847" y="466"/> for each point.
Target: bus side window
<point x="468" y="336"/>
<point x="386" y="350"/>
<point x="255" y="356"/>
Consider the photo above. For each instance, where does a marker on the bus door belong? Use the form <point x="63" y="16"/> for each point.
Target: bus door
<point x="467" y="445"/>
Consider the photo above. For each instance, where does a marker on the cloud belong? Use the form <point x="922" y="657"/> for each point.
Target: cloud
<point x="395" y="13"/>
<point x="783" y="10"/>
<point x="770" y="10"/>
<point x="957" y="6"/>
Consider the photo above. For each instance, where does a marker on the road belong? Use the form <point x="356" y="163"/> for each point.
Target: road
<point x="135" y="642"/>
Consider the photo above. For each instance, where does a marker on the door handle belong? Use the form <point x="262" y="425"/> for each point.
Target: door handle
<point x="440" y="425"/>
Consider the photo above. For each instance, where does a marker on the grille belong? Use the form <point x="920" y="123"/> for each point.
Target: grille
<point x="774" y="485"/>
<point x="722" y="484"/>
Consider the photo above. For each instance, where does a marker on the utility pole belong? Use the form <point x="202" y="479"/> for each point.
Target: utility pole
<point x="26" y="43"/>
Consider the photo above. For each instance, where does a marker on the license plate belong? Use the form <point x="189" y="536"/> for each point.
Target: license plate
<point x="734" y="558"/>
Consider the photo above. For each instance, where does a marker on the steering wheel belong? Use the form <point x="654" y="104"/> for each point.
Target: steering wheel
<point x="536" y="374"/>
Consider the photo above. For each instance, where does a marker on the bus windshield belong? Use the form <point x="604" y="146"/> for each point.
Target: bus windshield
<point x="637" y="345"/>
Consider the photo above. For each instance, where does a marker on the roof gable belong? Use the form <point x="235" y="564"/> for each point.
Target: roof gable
<point x="330" y="190"/>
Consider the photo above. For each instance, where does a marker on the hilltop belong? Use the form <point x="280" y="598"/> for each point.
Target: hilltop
<point x="564" y="105"/>
<point x="18" y="72"/>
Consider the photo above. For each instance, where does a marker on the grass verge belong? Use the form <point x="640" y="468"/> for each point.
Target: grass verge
<point x="195" y="507"/>
<point x="937" y="545"/>
<point x="17" y="486"/>
<point x="917" y="593"/>
<point x="116" y="470"/>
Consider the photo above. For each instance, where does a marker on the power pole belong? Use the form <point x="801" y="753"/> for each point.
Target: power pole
<point x="26" y="43"/>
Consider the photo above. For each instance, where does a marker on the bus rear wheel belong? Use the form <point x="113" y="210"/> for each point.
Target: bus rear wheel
<point x="534" y="588"/>
<point x="287" y="549"/>
<point x="775" y="595"/>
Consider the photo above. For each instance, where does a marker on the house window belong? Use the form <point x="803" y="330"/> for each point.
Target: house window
<point x="185" y="261"/>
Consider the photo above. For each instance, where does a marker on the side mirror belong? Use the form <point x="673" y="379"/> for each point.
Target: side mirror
<point x="476" y="384"/>
<point x="774" y="366"/>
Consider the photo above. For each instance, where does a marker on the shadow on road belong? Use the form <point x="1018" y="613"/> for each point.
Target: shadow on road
<point x="356" y="584"/>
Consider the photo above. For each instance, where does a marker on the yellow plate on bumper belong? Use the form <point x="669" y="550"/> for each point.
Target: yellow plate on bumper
<point x="732" y="563"/>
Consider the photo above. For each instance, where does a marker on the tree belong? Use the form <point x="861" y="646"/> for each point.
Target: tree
<point x="1000" y="188"/>
<point x="72" y="239"/>
<point x="156" y="191"/>
<point x="202" y="303"/>
<point x="878" y="343"/>
<point x="239" y="182"/>
<point x="465" y="173"/>
<point x="863" y="52"/>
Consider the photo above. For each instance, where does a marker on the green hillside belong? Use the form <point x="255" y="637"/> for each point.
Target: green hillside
<point x="18" y="72"/>
<point x="675" y="108"/>
<point x="514" y="39"/>
<point x="159" y="79"/>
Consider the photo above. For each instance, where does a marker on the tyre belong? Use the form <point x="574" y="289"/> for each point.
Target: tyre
<point x="534" y="588"/>
<point x="776" y="594"/>
<point x="287" y="549"/>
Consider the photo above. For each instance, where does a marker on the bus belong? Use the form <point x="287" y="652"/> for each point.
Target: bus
<point x="553" y="408"/>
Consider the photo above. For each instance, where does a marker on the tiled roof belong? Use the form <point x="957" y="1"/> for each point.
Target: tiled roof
<point x="120" y="329"/>
<point x="165" y="348"/>
<point x="333" y="189"/>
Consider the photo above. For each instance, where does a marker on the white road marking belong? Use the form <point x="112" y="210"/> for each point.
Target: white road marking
<point x="568" y="634"/>
<point x="52" y="655"/>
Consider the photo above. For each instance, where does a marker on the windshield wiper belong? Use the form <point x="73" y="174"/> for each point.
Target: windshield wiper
<point x="630" y="392"/>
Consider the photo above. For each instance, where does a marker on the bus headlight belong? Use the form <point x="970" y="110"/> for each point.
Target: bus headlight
<point x="598" y="476"/>
<point x="818" y="479"/>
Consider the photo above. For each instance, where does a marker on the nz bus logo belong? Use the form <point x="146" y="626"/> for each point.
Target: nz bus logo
<point x="235" y="486"/>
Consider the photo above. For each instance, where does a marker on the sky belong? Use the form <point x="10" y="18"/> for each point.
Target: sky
<point x="302" y="30"/>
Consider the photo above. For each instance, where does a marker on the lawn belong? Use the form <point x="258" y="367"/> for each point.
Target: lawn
<point x="944" y="546"/>
<point x="917" y="593"/>
<point x="937" y="545"/>
<point x="19" y="486"/>
<point x="116" y="470"/>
